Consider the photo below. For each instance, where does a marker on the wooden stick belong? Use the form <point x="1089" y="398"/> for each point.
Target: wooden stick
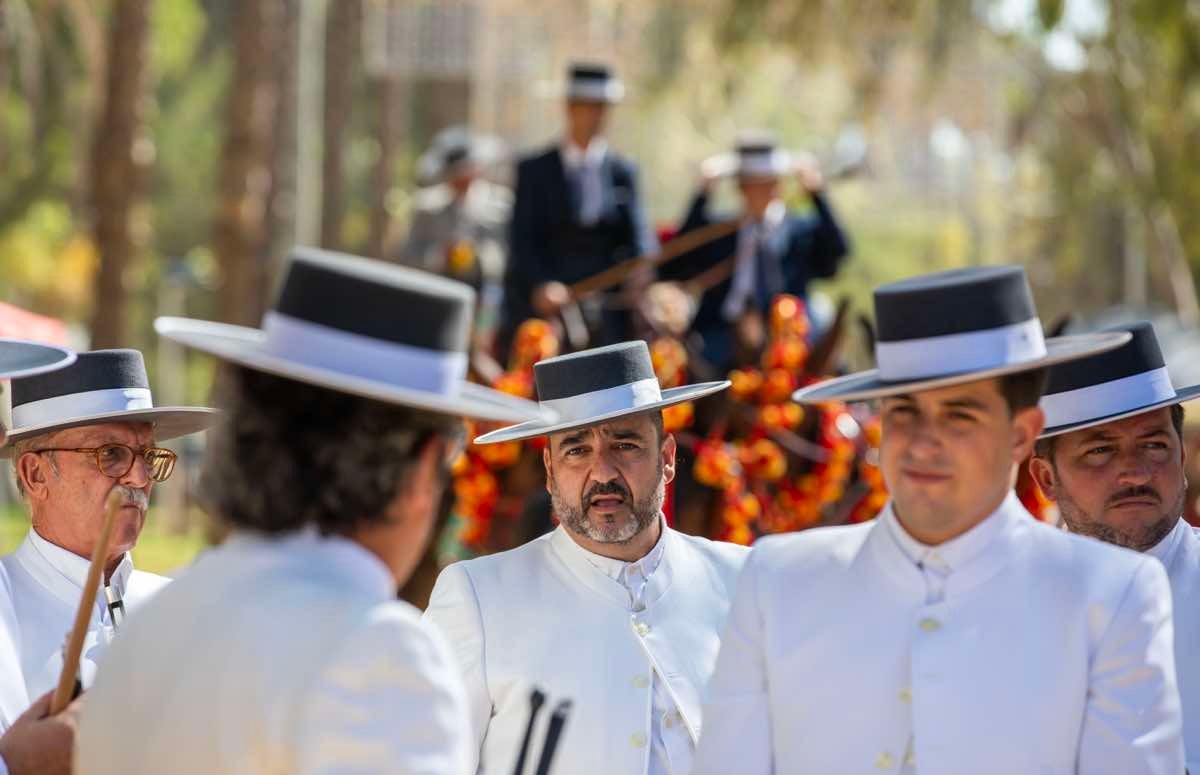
<point x="685" y="243"/>
<point x="83" y="616"/>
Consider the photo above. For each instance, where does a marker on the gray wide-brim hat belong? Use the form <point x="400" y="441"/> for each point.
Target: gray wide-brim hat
<point x="596" y="386"/>
<point x="102" y="386"/>
<point x="363" y="327"/>
<point x="20" y="358"/>
<point x="755" y="157"/>
<point x="1111" y="386"/>
<point x="950" y="328"/>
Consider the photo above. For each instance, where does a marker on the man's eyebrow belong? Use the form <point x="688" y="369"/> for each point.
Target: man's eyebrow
<point x="572" y="438"/>
<point x="965" y="402"/>
<point x="626" y="434"/>
<point x="1097" y="435"/>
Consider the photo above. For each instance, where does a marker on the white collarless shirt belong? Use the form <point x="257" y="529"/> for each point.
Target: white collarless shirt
<point x="671" y="748"/>
<point x="586" y="163"/>
<point x="936" y="564"/>
<point x="46" y="582"/>
<point x="1179" y="552"/>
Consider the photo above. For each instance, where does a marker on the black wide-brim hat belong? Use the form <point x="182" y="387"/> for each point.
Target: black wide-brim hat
<point x="102" y="386"/>
<point x="595" y="386"/>
<point x="363" y="327"/>
<point x="1111" y="386"/>
<point x="591" y="82"/>
<point x="954" y="327"/>
<point x="19" y="358"/>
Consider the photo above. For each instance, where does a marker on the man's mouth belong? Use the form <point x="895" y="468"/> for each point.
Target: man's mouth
<point x="923" y="476"/>
<point x="606" y="503"/>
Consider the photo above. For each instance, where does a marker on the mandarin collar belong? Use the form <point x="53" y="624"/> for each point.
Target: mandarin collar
<point x="574" y="156"/>
<point x="1166" y="548"/>
<point x="614" y="568"/>
<point x="959" y="551"/>
<point x="64" y="573"/>
<point x="348" y="558"/>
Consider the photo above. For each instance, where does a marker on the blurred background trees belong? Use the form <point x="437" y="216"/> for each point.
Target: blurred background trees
<point x="162" y="155"/>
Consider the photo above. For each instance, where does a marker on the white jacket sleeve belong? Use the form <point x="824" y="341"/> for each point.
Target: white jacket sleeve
<point x="454" y="609"/>
<point x="1132" y="724"/>
<point x="737" y="718"/>
<point x="389" y="701"/>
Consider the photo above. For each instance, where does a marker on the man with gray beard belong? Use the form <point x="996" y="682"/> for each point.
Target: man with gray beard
<point x="613" y="611"/>
<point x="1112" y="457"/>
<point x="78" y="434"/>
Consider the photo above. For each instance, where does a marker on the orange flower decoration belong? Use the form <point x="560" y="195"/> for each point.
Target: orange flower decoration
<point x="670" y="360"/>
<point x="716" y="465"/>
<point x="777" y="386"/>
<point x="678" y="417"/>
<point x="534" y="341"/>
<point x="789" y="317"/>
<point x="746" y="384"/>
<point x="763" y="460"/>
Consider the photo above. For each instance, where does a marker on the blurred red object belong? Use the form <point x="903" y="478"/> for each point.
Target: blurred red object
<point x="17" y="323"/>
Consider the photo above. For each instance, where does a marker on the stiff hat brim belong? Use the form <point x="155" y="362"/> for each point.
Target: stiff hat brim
<point x="170" y="422"/>
<point x="19" y="358"/>
<point x="1181" y="396"/>
<point x="729" y="164"/>
<point x="246" y="347"/>
<point x="670" y="397"/>
<point x="867" y="385"/>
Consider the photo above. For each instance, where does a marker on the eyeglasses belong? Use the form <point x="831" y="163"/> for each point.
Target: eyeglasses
<point x="116" y="460"/>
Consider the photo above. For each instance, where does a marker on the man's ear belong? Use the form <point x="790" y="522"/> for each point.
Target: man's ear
<point x="1043" y="473"/>
<point x="546" y="463"/>
<point x="668" y="451"/>
<point x="31" y="469"/>
<point x="1027" y="424"/>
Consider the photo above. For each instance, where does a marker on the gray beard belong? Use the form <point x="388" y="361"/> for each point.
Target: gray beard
<point x="643" y="513"/>
<point x="1139" y="540"/>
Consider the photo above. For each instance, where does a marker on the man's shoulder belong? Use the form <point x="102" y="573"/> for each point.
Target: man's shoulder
<point x="492" y="569"/>
<point x="816" y="549"/>
<point x="540" y="158"/>
<point x="722" y="554"/>
<point x="1086" y="564"/>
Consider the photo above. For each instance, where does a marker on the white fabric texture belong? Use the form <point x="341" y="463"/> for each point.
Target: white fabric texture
<point x="671" y="748"/>
<point x="597" y="403"/>
<point x="286" y="655"/>
<point x="1179" y="552"/>
<point x="56" y="409"/>
<point x="46" y="582"/>
<point x="546" y="615"/>
<point x="1048" y="653"/>
<point x="1107" y="398"/>
<point x="935" y="356"/>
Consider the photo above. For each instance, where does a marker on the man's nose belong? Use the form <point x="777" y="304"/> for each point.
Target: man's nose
<point x="138" y="475"/>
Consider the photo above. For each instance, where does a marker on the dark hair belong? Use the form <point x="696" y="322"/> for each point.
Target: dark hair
<point x="288" y="455"/>
<point x="1024" y="389"/>
<point x="1044" y="448"/>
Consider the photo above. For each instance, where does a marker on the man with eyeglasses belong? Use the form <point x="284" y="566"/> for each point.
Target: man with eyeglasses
<point x="78" y="434"/>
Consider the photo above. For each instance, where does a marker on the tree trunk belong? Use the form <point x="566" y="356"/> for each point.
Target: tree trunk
<point x="245" y="177"/>
<point x="281" y="200"/>
<point x="120" y="156"/>
<point x="342" y="29"/>
<point x="389" y="98"/>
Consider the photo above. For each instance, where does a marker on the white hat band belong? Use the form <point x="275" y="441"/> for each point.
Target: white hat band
<point x="601" y="91"/>
<point x="937" y="356"/>
<point x="59" y="409"/>
<point x="598" y="403"/>
<point x="1116" y="396"/>
<point x="355" y="355"/>
<point x="766" y="164"/>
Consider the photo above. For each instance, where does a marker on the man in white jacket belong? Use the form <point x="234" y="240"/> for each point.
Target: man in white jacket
<point x="78" y="434"/>
<point x="285" y="650"/>
<point x="1112" y="456"/>
<point x="612" y="611"/>
<point x="954" y="633"/>
<point x="31" y="741"/>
